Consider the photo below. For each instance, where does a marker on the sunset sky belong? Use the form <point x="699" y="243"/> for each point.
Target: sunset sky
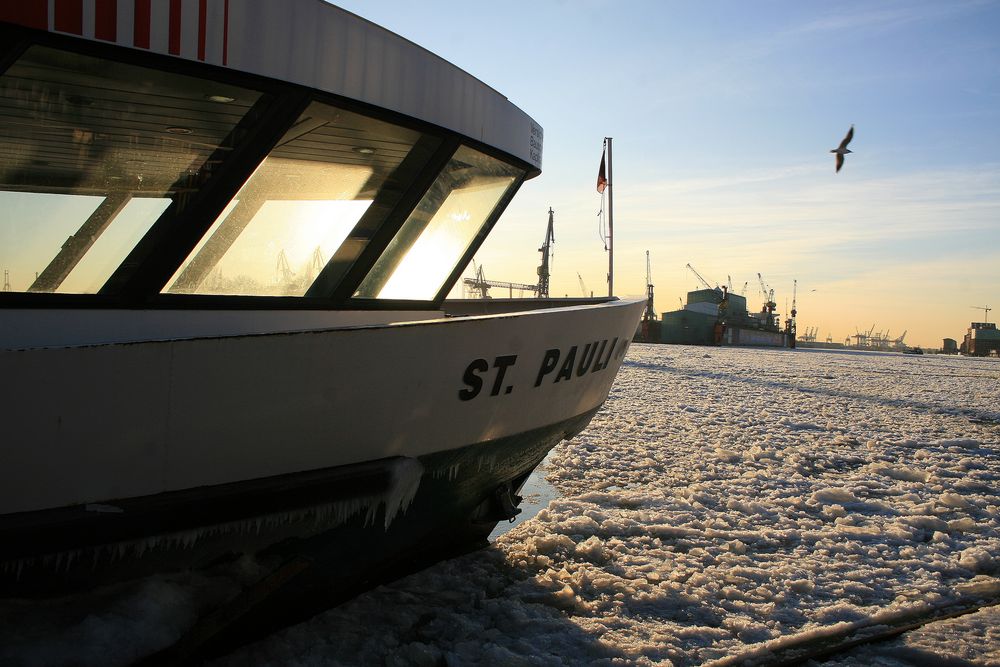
<point x="723" y="115"/>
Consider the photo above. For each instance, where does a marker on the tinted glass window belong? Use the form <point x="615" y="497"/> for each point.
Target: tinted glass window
<point x="438" y="232"/>
<point x="91" y="153"/>
<point x="316" y="199"/>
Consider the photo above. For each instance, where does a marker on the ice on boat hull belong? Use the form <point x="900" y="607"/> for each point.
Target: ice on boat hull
<point x="354" y="521"/>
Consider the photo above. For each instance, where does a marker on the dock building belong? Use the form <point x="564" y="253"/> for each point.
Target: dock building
<point x="982" y="340"/>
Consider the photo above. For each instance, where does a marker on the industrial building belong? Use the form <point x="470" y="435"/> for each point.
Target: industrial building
<point x="982" y="340"/>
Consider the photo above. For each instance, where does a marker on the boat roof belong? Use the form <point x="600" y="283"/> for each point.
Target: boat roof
<point x="307" y="42"/>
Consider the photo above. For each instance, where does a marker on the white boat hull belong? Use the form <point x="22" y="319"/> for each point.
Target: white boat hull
<point x="130" y="427"/>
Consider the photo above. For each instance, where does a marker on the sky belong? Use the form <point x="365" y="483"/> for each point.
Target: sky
<point x="722" y="115"/>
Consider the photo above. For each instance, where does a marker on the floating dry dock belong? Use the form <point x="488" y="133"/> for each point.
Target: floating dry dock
<point x="716" y="317"/>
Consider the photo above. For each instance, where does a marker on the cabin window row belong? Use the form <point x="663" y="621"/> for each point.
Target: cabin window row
<point x="94" y="151"/>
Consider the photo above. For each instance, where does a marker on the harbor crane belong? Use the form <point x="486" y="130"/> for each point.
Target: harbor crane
<point x="649" y="315"/>
<point x="649" y="328"/>
<point x="543" y="268"/>
<point x="315" y="264"/>
<point x="583" y="286"/>
<point x="858" y="338"/>
<point x="700" y="278"/>
<point x="769" y="304"/>
<point x="986" y="312"/>
<point x="477" y="283"/>
<point x="282" y="269"/>
<point x="790" y="322"/>
<point x="480" y="286"/>
<point x="865" y="338"/>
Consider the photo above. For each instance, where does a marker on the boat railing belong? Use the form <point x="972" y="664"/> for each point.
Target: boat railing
<point x="458" y="307"/>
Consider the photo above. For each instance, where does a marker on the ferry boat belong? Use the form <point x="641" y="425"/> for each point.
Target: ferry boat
<point x="228" y="233"/>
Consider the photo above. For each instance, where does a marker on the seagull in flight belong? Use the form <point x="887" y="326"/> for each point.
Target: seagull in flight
<point x="842" y="149"/>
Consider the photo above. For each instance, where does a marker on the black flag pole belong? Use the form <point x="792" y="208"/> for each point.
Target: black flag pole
<point x="604" y="184"/>
<point x="611" y="223"/>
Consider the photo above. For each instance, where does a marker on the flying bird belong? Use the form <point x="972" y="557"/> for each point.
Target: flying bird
<point x="842" y="149"/>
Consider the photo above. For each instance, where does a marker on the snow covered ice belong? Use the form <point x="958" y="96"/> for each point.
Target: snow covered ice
<point x="724" y="505"/>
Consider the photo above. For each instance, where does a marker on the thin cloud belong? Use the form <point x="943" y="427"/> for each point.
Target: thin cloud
<point x="853" y="21"/>
<point x="882" y="18"/>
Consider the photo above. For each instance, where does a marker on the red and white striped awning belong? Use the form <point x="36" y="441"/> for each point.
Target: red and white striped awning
<point x="192" y="29"/>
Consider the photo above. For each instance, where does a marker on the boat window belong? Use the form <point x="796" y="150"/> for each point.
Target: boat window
<point x="315" y="200"/>
<point x="92" y="151"/>
<point x="440" y="230"/>
<point x="126" y="229"/>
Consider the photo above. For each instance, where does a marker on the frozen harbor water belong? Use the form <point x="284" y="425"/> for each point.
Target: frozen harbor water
<point x="726" y="504"/>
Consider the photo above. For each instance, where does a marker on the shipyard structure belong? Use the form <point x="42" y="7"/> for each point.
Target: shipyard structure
<point x="715" y="316"/>
<point x="981" y="340"/>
